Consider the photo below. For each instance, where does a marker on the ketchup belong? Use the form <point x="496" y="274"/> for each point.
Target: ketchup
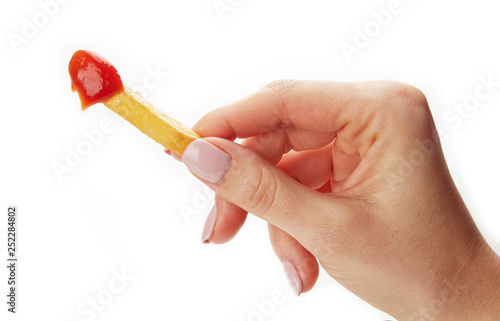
<point x="93" y="77"/>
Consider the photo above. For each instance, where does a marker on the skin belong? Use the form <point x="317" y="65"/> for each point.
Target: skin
<point x="352" y="176"/>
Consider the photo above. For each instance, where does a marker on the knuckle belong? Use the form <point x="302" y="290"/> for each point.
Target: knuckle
<point x="282" y="86"/>
<point x="281" y="90"/>
<point x="402" y="103"/>
<point x="407" y="95"/>
<point x="262" y="191"/>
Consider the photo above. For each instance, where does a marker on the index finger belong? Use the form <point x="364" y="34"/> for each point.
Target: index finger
<point x="319" y="106"/>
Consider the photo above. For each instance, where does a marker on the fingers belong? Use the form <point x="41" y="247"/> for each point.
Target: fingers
<point x="224" y="220"/>
<point x="176" y="156"/>
<point x="230" y="217"/>
<point x="280" y="141"/>
<point x="301" y="267"/>
<point x="257" y="186"/>
<point x="315" y="106"/>
<point x="223" y="223"/>
<point x="312" y="168"/>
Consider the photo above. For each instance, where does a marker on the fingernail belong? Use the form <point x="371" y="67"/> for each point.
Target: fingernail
<point x="208" y="230"/>
<point x="293" y="277"/>
<point x="206" y="161"/>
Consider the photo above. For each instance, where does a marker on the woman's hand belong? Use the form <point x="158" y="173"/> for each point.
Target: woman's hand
<point x="351" y="175"/>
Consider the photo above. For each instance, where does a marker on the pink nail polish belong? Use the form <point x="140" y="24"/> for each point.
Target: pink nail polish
<point x="293" y="277"/>
<point x="206" y="161"/>
<point x="208" y="230"/>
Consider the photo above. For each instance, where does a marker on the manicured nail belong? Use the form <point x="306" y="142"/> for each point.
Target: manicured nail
<point x="208" y="230"/>
<point x="206" y="161"/>
<point x="293" y="277"/>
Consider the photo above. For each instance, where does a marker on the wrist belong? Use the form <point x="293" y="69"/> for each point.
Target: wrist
<point x="474" y="293"/>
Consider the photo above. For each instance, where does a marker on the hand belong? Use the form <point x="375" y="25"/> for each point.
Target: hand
<point x="351" y="175"/>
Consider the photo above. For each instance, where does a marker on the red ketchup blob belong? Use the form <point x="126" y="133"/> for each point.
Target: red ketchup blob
<point x="93" y="77"/>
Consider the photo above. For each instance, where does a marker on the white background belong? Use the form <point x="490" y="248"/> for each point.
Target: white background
<point x="124" y="206"/>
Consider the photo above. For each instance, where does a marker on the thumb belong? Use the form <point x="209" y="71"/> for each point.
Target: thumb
<point x="244" y="178"/>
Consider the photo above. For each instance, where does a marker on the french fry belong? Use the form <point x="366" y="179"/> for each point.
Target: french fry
<point x="97" y="81"/>
<point x="151" y="121"/>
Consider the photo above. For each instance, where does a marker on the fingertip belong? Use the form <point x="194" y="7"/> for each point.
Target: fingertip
<point x="176" y="156"/>
<point x="308" y="269"/>
<point x="226" y="220"/>
<point x="214" y="124"/>
<point x="305" y="266"/>
<point x="208" y="229"/>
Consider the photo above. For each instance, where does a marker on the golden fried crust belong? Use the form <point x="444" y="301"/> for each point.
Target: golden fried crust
<point x="151" y="121"/>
